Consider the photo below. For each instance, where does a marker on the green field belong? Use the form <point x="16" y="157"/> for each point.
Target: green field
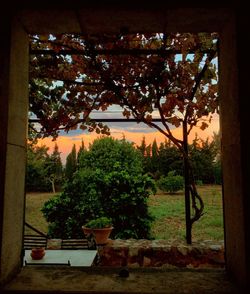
<point x="169" y="214"/>
<point x="167" y="209"/>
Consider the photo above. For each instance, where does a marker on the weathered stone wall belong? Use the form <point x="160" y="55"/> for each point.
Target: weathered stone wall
<point x="157" y="253"/>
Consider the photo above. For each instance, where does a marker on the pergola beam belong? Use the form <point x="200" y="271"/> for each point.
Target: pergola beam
<point x="122" y="120"/>
<point x="122" y="51"/>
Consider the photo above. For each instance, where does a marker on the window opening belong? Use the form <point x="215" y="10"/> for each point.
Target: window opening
<point x="100" y="83"/>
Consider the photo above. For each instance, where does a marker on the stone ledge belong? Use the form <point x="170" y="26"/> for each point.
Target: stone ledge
<point x="162" y="253"/>
<point x="157" y="253"/>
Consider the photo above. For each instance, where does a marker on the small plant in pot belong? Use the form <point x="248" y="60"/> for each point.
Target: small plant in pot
<point x="100" y="228"/>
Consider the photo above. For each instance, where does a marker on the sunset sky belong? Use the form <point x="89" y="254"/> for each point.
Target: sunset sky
<point x="132" y="131"/>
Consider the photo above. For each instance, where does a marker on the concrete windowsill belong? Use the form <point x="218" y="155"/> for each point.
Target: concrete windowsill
<point x="107" y="280"/>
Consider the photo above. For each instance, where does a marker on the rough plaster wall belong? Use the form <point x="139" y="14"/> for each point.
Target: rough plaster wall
<point x="16" y="153"/>
<point x="4" y="67"/>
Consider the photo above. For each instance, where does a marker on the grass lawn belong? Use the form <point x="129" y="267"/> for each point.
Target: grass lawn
<point x="33" y="214"/>
<point x="169" y="213"/>
<point x="167" y="209"/>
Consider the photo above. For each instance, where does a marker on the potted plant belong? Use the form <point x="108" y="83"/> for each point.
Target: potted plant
<point x="37" y="253"/>
<point x="100" y="228"/>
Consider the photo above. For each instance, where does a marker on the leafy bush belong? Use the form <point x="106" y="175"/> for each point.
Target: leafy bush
<point x="172" y="183"/>
<point x="107" y="184"/>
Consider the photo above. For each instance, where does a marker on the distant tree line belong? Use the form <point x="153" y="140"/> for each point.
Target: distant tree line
<point x="45" y="172"/>
<point x="205" y="158"/>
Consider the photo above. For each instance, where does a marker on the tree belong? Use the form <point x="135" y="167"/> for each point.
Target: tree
<point x="107" y="153"/>
<point x="35" y="175"/>
<point x="202" y="158"/>
<point x="154" y="157"/>
<point x="143" y="146"/>
<point x="36" y="172"/>
<point x="81" y="150"/>
<point x="109" y="182"/>
<point x="170" y="159"/>
<point x="171" y="74"/>
<point x="54" y="168"/>
<point x="43" y="171"/>
<point x="146" y="153"/>
<point x="71" y="164"/>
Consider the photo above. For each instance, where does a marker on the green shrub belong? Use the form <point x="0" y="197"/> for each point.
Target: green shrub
<point x="118" y="190"/>
<point x="172" y="183"/>
<point x="199" y="182"/>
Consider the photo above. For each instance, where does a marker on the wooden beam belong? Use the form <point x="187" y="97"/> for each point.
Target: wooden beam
<point x="122" y="120"/>
<point x="122" y="51"/>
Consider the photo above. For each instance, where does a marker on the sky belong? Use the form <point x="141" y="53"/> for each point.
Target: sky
<point x="132" y="132"/>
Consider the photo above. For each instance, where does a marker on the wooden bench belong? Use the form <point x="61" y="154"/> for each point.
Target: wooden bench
<point x="34" y="241"/>
<point x="41" y="240"/>
<point x="74" y="244"/>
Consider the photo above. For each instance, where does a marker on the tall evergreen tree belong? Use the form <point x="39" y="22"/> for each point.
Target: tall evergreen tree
<point x="143" y="146"/>
<point x="80" y="151"/>
<point x="154" y="158"/>
<point x="146" y="154"/>
<point x="71" y="163"/>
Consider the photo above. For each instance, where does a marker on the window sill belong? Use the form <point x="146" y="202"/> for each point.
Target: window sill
<point x="107" y="280"/>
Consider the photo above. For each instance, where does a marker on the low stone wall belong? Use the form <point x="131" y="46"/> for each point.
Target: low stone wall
<point x="157" y="253"/>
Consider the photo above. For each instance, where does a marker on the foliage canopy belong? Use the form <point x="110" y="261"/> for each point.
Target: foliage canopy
<point x="171" y="74"/>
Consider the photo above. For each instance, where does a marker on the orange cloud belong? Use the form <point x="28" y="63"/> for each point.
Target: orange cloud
<point x="65" y="143"/>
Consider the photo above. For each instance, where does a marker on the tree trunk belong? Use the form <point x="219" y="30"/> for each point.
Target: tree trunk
<point x="187" y="185"/>
<point x="53" y="186"/>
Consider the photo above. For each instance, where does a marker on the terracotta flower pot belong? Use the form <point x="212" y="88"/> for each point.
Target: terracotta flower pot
<point x="37" y="253"/>
<point x="101" y="235"/>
